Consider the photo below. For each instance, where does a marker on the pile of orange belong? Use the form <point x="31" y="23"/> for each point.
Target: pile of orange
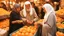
<point x="59" y="34"/>
<point x="58" y="19"/>
<point x="60" y="28"/>
<point x="60" y="25"/>
<point x="60" y="15"/>
<point x="25" y="31"/>
<point x="4" y="24"/>
<point x="60" y="12"/>
<point x="4" y="12"/>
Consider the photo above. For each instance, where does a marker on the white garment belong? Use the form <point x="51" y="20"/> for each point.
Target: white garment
<point x="24" y="11"/>
<point x="49" y="10"/>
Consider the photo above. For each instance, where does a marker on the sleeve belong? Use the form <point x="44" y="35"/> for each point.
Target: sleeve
<point x="21" y="13"/>
<point x="51" y="20"/>
<point x="35" y="15"/>
<point x="23" y="18"/>
<point x="14" y="16"/>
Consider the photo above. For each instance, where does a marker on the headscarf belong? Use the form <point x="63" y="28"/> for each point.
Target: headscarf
<point x="24" y="11"/>
<point x="49" y="9"/>
<point x="16" y="6"/>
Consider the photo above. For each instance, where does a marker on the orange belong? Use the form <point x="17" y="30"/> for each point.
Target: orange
<point x="59" y="34"/>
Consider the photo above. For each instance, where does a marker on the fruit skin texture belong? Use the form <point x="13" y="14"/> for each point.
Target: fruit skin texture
<point x="4" y="24"/>
<point x="59" y="33"/>
<point x="60" y="15"/>
<point x="25" y="31"/>
<point x="4" y="12"/>
<point x="60" y="25"/>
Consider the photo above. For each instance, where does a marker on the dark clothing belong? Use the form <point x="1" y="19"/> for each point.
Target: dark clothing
<point x="57" y="7"/>
<point x="42" y="14"/>
<point x="37" y="11"/>
<point x="14" y="16"/>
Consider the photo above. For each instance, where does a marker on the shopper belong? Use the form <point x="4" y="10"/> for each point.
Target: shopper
<point x="14" y="19"/>
<point x="49" y="22"/>
<point x="39" y="10"/>
<point x="56" y="4"/>
<point x="35" y="7"/>
<point x="28" y="13"/>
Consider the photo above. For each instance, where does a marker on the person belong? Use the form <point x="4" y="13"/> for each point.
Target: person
<point x="2" y="5"/>
<point x="28" y="13"/>
<point x="39" y="10"/>
<point x="14" y="19"/>
<point x="49" y="22"/>
<point x="49" y="1"/>
<point x="56" y="4"/>
<point x="35" y="7"/>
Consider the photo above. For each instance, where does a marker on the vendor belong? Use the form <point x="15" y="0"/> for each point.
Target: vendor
<point x="28" y="13"/>
<point x="49" y="22"/>
<point x="14" y="19"/>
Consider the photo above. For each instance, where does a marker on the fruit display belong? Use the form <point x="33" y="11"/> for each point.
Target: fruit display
<point x="59" y="34"/>
<point x="60" y="28"/>
<point x="60" y="13"/>
<point x="25" y="31"/>
<point x="60" y="22"/>
<point x="60" y="25"/>
<point x="4" y="24"/>
<point x="4" y="12"/>
<point x="58" y="19"/>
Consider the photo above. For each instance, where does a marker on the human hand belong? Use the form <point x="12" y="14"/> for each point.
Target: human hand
<point x="29" y="22"/>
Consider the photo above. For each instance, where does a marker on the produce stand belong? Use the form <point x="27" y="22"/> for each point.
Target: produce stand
<point x="37" y="33"/>
<point x="60" y="22"/>
<point x="4" y="22"/>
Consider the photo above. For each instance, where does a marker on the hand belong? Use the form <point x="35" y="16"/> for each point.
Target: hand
<point x="29" y="22"/>
<point x="35" y="23"/>
<point x="13" y="22"/>
<point x="24" y="19"/>
<point x="17" y="21"/>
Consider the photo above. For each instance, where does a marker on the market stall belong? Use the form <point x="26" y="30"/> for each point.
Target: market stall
<point x="60" y="22"/>
<point x="4" y="22"/>
<point x="30" y="30"/>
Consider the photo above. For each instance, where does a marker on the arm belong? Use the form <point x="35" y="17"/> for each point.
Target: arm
<point x="17" y="21"/>
<point x="35" y="16"/>
<point x="23" y="18"/>
<point x="51" y="20"/>
<point x="14" y="18"/>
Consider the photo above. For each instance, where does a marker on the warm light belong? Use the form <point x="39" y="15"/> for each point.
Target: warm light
<point x="4" y="2"/>
<point x="10" y="2"/>
<point x="13" y="3"/>
<point x="35" y="0"/>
